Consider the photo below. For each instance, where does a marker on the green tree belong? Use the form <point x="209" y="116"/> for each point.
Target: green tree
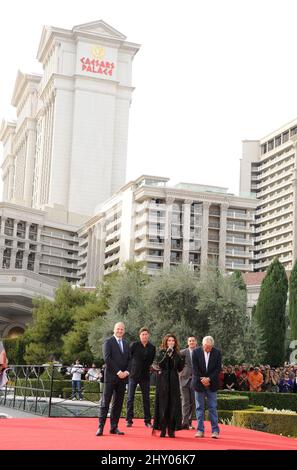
<point x="15" y="349"/>
<point x="223" y="301"/>
<point x="238" y="280"/>
<point x="293" y="302"/>
<point x="125" y="303"/>
<point x="271" y="311"/>
<point x="51" y="321"/>
<point x="171" y="298"/>
<point x="75" y="341"/>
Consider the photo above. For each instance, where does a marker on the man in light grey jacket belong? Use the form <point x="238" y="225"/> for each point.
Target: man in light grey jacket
<point x="185" y="381"/>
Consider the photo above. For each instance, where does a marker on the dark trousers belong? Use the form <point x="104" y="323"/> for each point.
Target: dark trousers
<point x="117" y="392"/>
<point x="145" y="390"/>
<point x="188" y="403"/>
<point x="76" y="387"/>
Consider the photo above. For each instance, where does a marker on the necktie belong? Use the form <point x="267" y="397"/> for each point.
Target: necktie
<point x="121" y="345"/>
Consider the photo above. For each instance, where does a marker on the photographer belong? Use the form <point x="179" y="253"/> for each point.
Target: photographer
<point x="76" y="370"/>
<point x="93" y="374"/>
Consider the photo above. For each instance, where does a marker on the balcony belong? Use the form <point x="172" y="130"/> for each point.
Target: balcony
<point x="276" y="187"/>
<point x="64" y="264"/>
<point x="60" y="273"/>
<point x="113" y="236"/>
<point x="239" y="266"/>
<point x="288" y="213"/>
<point x="272" y="207"/>
<point x="111" y="269"/>
<point x="139" y="207"/>
<point x="239" y="215"/>
<point x="112" y="258"/>
<point x="275" y="233"/>
<point x="83" y="241"/>
<point x="147" y="244"/>
<point x="238" y="228"/>
<point x="239" y="241"/>
<point x="283" y="175"/>
<point x="113" y="224"/>
<point x="214" y="225"/>
<point x="60" y="236"/>
<point x="215" y="213"/>
<point x="278" y="159"/>
<point x="149" y="218"/>
<point x="238" y="253"/>
<point x="112" y="247"/>
<point x="59" y="244"/>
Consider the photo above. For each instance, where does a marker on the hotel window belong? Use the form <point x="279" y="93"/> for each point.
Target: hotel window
<point x="293" y="131"/>
<point x="270" y="145"/>
<point x="278" y="141"/>
<point x="263" y="149"/>
<point x="285" y="136"/>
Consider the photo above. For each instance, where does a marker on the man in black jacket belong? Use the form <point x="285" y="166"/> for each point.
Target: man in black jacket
<point x="207" y="364"/>
<point x="116" y="357"/>
<point x="142" y="354"/>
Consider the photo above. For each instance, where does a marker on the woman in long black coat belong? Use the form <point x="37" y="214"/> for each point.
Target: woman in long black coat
<point x="168" y="414"/>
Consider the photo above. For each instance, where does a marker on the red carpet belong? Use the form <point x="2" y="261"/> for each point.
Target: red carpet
<point x="79" y="433"/>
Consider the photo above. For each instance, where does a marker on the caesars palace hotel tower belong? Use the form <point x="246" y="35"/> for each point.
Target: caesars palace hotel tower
<point x="66" y="153"/>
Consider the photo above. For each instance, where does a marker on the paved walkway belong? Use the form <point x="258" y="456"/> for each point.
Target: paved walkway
<point x="11" y="413"/>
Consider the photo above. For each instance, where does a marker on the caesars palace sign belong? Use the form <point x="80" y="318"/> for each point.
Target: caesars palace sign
<point x="97" y="61"/>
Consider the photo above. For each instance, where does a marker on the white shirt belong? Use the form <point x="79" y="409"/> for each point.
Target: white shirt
<point x="120" y="343"/>
<point x="76" y="371"/>
<point x="206" y="357"/>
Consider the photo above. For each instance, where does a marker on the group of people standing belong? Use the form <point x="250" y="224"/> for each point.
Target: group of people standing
<point x="183" y="379"/>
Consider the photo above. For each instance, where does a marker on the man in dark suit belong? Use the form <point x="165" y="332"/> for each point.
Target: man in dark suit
<point x="185" y="381"/>
<point x="116" y="357"/>
<point x="207" y="364"/>
<point x="142" y="354"/>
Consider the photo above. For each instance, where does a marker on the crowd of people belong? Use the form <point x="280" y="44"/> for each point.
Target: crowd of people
<point x="259" y="378"/>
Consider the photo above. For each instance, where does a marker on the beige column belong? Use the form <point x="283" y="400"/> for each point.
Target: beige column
<point x="204" y="234"/>
<point x="167" y="237"/>
<point x="223" y="235"/>
<point x="15" y="227"/>
<point x="3" y="220"/>
<point x="10" y="192"/>
<point x="186" y="229"/>
<point x="90" y="255"/>
<point x="30" y="155"/>
<point x="38" y="253"/>
<point x="2" y="240"/>
<point x="101" y="252"/>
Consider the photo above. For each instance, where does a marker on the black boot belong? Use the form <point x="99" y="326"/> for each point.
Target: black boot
<point x="171" y="433"/>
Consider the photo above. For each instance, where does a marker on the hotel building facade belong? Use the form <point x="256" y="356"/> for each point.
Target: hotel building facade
<point x="65" y="154"/>
<point x="147" y="220"/>
<point x="268" y="171"/>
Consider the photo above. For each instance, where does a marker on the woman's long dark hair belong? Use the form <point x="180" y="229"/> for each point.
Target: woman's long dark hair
<point x="165" y="339"/>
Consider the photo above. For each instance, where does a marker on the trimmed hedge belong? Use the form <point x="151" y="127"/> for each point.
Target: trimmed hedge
<point x="228" y="414"/>
<point x="280" y="401"/>
<point x="232" y="402"/>
<point x="91" y="396"/>
<point x="58" y="386"/>
<point x="275" y="423"/>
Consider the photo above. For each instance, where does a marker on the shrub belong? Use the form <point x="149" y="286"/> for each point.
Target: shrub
<point x="286" y="401"/>
<point x="227" y="414"/>
<point x="232" y="402"/>
<point x="42" y="386"/>
<point x="285" y="424"/>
